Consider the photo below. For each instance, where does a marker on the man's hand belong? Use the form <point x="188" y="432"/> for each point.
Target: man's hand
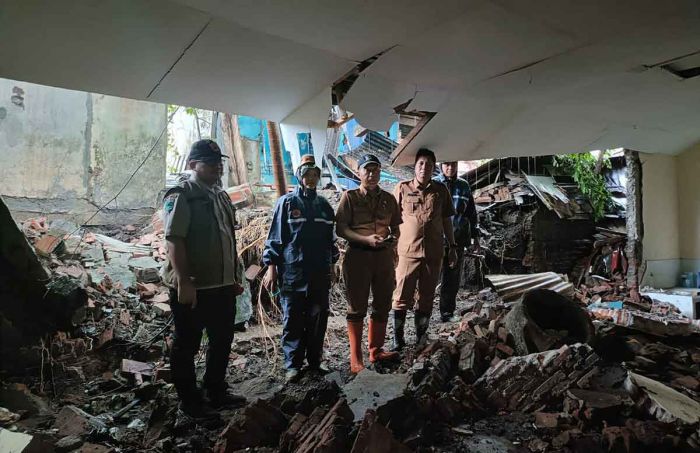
<point x="270" y="279"/>
<point x="374" y="241"/>
<point x="452" y="257"/>
<point x="186" y="293"/>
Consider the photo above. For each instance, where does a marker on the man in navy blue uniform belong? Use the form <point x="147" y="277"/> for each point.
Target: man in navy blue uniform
<point x="300" y="253"/>
<point x="464" y="224"/>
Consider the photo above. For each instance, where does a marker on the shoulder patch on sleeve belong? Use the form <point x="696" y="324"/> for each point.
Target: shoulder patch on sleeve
<point x="169" y="202"/>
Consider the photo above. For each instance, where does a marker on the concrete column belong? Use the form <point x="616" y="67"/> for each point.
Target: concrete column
<point x="635" y="223"/>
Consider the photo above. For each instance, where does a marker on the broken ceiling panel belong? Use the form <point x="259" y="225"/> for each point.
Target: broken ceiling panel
<point x="506" y="78"/>
<point x="112" y="47"/>
<point x="354" y="30"/>
<point x="484" y="41"/>
<point x="372" y="100"/>
<point x="311" y="117"/>
<point x="249" y="73"/>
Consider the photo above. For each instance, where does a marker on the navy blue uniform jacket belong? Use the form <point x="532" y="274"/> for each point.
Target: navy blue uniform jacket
<point x="301" y="241"/>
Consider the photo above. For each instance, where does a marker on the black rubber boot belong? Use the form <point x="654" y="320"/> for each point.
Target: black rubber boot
<point x="399" y="323"/>
<point x="421" y="320"/>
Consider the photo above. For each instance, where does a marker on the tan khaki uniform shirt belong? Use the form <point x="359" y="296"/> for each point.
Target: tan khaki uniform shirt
<point x="368" y="213"/>
<point x="422" y="212"/>
<point x="204" y="217"/>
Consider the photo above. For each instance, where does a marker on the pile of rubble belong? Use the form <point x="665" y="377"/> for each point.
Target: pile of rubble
<point x="533" y="219"/>
<point x="455" y="390"/>
<point x="543" y="371"/>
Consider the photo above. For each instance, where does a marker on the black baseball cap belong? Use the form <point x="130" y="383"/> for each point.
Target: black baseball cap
<point x="206" y="151"/>
<point x="368" y="159"/>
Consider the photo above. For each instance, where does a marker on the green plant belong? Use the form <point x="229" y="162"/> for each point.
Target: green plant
<point x="582" y="167"/>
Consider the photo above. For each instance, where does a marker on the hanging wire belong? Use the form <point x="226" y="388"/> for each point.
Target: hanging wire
<point x="127" y="182"/>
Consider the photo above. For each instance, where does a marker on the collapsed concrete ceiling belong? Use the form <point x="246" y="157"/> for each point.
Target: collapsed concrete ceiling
<point x="506" y="77"/>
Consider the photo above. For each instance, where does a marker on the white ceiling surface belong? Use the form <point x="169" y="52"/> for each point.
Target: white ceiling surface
<point x="588" y="91"/>
<point x="311" y="117"/>
<point x="125" y="47"/>
<point x="575" y="69"/>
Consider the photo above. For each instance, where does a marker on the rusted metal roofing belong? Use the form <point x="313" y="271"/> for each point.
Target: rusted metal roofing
<point x="512" y="287"/>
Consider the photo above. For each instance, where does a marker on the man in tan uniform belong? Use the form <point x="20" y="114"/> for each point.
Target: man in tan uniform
<point x="369" y="219"/>
<point x="426" y="208"/>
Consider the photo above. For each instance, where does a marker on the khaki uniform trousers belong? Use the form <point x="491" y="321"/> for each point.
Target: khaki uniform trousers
<point x="416" y="273"/>
<point x="364" y="270"/>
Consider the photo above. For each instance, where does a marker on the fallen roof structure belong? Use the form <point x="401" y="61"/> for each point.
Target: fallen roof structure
<point x="502" y="77"/>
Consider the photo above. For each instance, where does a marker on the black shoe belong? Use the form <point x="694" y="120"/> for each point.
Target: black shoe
<point x="292" y="375"/>
<point x="449" y="317"/>
<point x="399" y="324"/>
<point x="224" y="398"/>
<point x="421" y="320"/>
<point x="197" y="410"/>
<point x="321" y="368"/>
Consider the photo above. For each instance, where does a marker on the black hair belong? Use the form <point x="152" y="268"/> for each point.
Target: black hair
<point x="425" y="152"/>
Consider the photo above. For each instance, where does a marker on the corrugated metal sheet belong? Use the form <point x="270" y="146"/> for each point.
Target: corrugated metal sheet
<point x="512" y="287"/>
<point x="564" y="199"/>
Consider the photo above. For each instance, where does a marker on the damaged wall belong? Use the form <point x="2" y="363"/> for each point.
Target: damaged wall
<point x="688" y="168"/>
<point x="661" y="217"/>
<point x="671" y="216"/>
<point x="64" y="152"/>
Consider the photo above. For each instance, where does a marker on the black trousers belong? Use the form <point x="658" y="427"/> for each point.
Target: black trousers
<point x="216" y="312"/>
<point x="450" y="283"/>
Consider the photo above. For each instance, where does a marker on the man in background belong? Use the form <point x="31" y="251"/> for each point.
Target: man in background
<point x="464" y="226"/>
<point x="426" y="208"/>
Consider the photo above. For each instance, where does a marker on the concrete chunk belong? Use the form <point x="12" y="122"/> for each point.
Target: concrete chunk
<point x="661" y="401"/>
<point x="371" y="390"/>
<point x="12" y="442"/>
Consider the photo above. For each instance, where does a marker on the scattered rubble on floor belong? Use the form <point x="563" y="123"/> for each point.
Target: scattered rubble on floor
<point x="607" y="373"/>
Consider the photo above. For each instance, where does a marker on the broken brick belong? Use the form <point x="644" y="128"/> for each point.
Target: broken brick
<point x="68" y="443"/>
<point x="471" y="362"/>
<point x="502" y="334"/>
<point x="375" y="437"/>
<point x="163" y="372"/>
<point x="161" y="309"/>
<point x="688" y="382"/>
<point x="546" y="419"/>
<point x="258" y="425"/>
<point x="252" y="272"/>
<point x="505" y="349"/>
<point x="47" y="245"/>
<point x="72" y="421"/>
<point x="136" y="369"/>
<point x="160" y="298"/>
